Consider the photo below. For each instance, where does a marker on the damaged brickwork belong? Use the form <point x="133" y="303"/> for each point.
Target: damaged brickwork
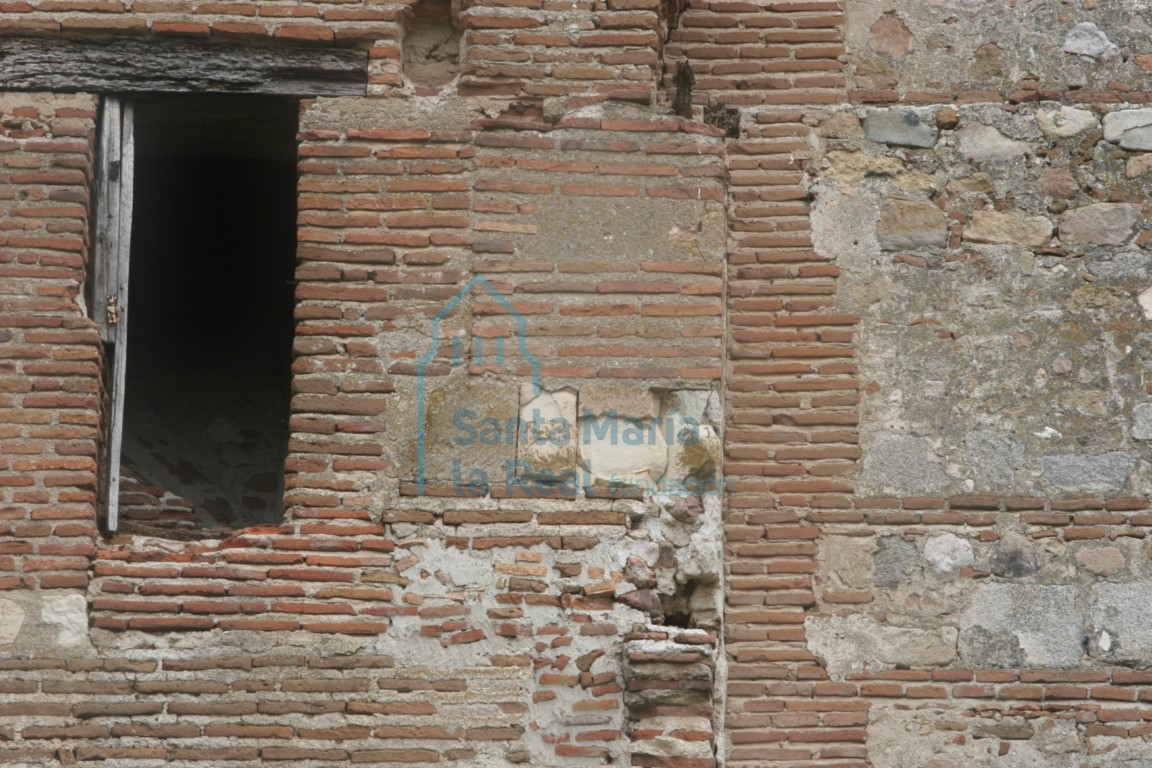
<point x="806" y="423"/>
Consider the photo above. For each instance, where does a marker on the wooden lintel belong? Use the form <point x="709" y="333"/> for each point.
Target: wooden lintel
<point x="131" y="65"/>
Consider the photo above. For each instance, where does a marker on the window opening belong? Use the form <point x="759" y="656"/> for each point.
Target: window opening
<point x="204" y="393"/>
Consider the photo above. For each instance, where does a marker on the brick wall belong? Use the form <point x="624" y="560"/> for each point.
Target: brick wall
<point x="763" y="54"/>
<point x="790" y="444"/>
<point x="375" y="625"/>
<point x="393" y="221"/>
<point x="649" y="264"/>
<point x="51" y="357"/>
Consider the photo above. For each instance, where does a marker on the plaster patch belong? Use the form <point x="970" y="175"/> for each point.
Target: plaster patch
<point x="850" y="644"/>
<point x="901" y="737"/>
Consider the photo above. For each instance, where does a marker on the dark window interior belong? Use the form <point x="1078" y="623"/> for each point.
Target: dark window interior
<point x="210" y="304"/>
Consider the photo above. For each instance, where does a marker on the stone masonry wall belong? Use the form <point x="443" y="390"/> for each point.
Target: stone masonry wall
<point x="867" y="314"/>
<point x="978" y="597"/>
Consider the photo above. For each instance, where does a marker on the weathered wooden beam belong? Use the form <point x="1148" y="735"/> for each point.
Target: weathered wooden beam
<point x="115" y="177"/>
<point x="124" y="65"/>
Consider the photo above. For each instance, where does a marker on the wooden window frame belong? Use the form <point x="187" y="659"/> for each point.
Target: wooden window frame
<point x="115" y="173"/>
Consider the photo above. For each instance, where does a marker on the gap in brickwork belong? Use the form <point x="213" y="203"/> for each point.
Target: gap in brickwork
<point x="432" y="44"/>
<point x="678" y="606"/>
<point x="670" y="12"/>
<point x="677" y="77"/>
<point x="211" y="305"/>
<point x="723" y="117"/>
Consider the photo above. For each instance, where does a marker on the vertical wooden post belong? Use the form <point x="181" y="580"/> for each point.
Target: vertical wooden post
<point x="110" y="278"/>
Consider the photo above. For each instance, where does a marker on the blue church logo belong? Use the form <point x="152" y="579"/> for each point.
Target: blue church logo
<point x="482" y="352"/>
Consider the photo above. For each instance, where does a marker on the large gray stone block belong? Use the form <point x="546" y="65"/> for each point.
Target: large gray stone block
<point x="1142" y="422"/>
<point x="1099" y="224"/>
<point x="894" y="561"/>
<point x="985" y="144"/>
<point x="1010" y="228"/>
<point x="1118" y="621"/>
<point x="906" y="462"/>
<point x="911" y="224"/>
<point x="902" y="128"/>
<point x="1031" y="625"/>
<point x="1101" y="472"/>
<point x="1087" y="39"/>
<point x="1130" y="128"/>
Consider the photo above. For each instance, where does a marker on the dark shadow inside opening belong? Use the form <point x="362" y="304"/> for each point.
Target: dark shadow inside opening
<point x="210" y="312"/>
